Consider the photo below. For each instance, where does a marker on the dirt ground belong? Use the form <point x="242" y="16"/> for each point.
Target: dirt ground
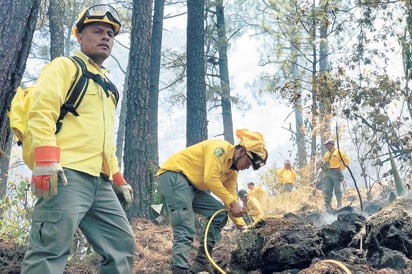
<point x="153" y="247"/>
<point x="154" y="242"/>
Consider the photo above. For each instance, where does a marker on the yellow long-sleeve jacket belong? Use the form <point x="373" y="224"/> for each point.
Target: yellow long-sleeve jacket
<point x="258" y="193"/>
<point x="86" y="141"/>
<point x="254" y="209"/>
<point x="287" y="176"/>
<point x="207" y="166"/>
<point x="334" y="160"/>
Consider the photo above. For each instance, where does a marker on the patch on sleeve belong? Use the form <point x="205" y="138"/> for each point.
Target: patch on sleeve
<point x="219" y="151"/>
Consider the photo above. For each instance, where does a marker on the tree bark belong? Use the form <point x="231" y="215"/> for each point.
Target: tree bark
<point x="4" y="172"/>
<point x="122" y="125"/>
<point x="324" y="106"/>
<point x="18" y="24"/>
<point x="154" y="80"/>
<point x="137" y="135"/>
<point x="314" y="107"/>
<point x="56" y="17"/>
<point x="196" y="116"/>
<point x="224" y="73"/>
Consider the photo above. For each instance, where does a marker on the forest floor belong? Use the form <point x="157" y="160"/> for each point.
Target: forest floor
<point x="154" y="242"/>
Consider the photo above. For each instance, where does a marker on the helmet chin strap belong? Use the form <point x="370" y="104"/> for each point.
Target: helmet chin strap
<point x="234" y="165"/>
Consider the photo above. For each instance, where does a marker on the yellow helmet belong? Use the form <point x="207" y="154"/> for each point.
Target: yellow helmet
<point x="97" y="13"/>
<point x="255" y="147"/>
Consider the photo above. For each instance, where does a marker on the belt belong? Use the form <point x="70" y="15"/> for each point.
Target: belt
<point x="104" y="176"/>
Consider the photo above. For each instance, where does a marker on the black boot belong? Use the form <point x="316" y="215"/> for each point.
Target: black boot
<point x="179" y="270"/>
<point x="201" y="263"/>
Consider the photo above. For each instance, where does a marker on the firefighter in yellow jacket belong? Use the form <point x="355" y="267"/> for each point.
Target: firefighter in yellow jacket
<point x="287" y="177"/>
<point x="73" y="169"/>
<point x="259" y="193"/>
<point x="334" y="161"/>
<point x="188" y="178"/>
<point x="252" y="208"/>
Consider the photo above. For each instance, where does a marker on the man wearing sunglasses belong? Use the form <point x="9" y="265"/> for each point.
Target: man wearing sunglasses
<point x="76" y="175"/>
<point x="187" y="181"/>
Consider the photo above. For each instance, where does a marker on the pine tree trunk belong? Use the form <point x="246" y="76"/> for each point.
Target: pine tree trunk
<point x="137" y="135"/>
<point x="154" y="80"/>
<point x="224" y="73"/>
<point x="19" y="19"/>
<point x="56" y="17"/>
<point x="196" y="116"/>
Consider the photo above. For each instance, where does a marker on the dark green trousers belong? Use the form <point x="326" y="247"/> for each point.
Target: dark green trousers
<point x="333" y="180"/>
<point x="86" y="202"/>
<point x="183" y="201"/>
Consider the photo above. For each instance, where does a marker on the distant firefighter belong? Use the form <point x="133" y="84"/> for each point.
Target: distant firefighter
<point x="319" y="181"/>
<point x="252" y="207"/>
<point x="259" y="193"/>
<point x="334" y="161"/>
<point x="287" y="177"/>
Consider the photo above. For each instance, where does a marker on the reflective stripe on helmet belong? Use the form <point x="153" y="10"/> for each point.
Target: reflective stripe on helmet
<point x="257" y="160"/>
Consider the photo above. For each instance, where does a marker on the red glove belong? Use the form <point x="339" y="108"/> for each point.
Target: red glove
<point x="123" y="190"/>
<point x="46" y="172"/>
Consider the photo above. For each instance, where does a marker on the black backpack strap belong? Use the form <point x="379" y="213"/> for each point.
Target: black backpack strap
<point x="113" y="90"/>
<point x="76" y="92"/>
<point x="79" y="87"/>
<point x="105" y="83"/>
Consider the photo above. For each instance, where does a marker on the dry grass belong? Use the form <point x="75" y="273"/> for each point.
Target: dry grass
<point x="308" y="199"/>
<point x="153" y="247"/>
<point x="302" y="199"/>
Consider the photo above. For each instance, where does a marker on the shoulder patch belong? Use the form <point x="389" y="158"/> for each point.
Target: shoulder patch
<point x="219" y="151"/>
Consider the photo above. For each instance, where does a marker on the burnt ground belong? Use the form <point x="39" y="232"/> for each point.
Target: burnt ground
<point x="353" y="243"/>
<point x="375" y="240"/>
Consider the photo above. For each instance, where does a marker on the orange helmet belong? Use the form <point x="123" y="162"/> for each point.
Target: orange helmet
<point x="97" y="13"/>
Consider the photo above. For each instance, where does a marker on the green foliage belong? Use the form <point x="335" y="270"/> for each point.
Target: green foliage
<point x="17" y="207"/>
<point x="17" y="210"/>
<point x="378" y="106"/>
<point x="268" y="180"/>
<point x="155" y="196"/>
